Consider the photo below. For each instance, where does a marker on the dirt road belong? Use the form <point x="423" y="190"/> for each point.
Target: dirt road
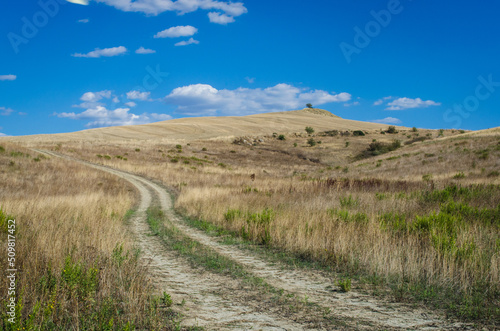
<point x="215" y="301"/>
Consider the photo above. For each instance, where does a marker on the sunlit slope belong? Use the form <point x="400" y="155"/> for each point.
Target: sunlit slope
<point x="216" y="127"/>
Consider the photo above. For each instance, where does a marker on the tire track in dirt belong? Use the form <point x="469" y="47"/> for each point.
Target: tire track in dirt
<point x="317" y="288"/>
<point x="206" y="298"/>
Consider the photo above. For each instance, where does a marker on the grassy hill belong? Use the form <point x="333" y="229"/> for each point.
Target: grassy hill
<point x="188" y="129"/>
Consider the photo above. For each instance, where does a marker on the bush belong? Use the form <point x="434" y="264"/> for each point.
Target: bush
<point x="414" y="129"/>
<point x="203" y="149"/>
<point x="2" y="149"/>
<point x="392" y="129"/>
<point x="309" y="130"/>
<point x="358" y="133"/>
<point x="460" y="175"/>
<point x="378" y="148"/>
<point x="347" y="144"/>
<point x="311" y="142"/>
<point x="281" y="137"/>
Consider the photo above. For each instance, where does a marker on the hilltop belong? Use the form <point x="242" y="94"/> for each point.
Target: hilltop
<point x="189" y="129"/>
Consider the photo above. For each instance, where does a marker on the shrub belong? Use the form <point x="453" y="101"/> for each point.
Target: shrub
<point x="2" y="149"/>
<point x="174" y="160"/>
<point x="347" y="144"/>
<point x="178" y="146"/>
<point x="460" y="175"/>
<point x="294" y="144"/>
<point x="137" y="149"/>
<point x="414" y="129"/>
<point x="309" y="130"/>
<point x="441" y="133"/>
<point x="378" y="148"/>
<point x="204" y="149"/>
<point x="392" y="129"/>
<point x="311" y="142"/>
<point x="358" y="133"/>
<point x="281" y="137"/>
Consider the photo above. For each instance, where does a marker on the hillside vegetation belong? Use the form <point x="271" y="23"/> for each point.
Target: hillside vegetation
<point x="414" y="214"/>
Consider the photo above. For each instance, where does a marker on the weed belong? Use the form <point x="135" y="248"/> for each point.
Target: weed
<point x="460" y="175"/>
<point x="344" y="284"/>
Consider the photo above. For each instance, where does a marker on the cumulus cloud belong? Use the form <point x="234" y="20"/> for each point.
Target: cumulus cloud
<point x="142" y="50"/>
<point x="187" y="42"/>
<point x="203" y="99"/>
<point x="8" y="77"/>
<point x="177" y="31"/>
<point x="130" y="104"/>
<point x="5" y="111"/>
<point x="155" y="7"/>
<point x="105" y="52"/>
<point x="388" y="120"/>
<point x="219" y="18"/>
<point x="100" y="116"/>
<point x="93" y="99"/>
<point x="408" y="103"/>
<point x="138" y="95"/>
<point x="85" y="20"/>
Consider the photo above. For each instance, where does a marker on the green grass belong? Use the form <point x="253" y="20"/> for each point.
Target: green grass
<point x="201" y="255"/>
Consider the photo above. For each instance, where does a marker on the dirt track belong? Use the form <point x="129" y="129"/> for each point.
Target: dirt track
<point x="219" y="302"/>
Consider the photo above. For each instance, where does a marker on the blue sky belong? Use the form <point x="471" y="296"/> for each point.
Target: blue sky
<point x="67" y="67"/>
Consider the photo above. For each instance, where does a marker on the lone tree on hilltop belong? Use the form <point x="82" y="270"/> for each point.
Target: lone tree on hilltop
<point x="309" y="105"/>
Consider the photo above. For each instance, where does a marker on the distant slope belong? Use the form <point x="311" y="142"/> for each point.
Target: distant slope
<point x="189" y="129"/>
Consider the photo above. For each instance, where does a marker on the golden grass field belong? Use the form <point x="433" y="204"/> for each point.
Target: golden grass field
<point x="422" y="220"/>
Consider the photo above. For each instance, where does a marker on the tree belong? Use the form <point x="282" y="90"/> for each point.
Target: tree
<point x="311" y="142"/>
<point x="309" y="105"/>
<point x="309" y="130"/>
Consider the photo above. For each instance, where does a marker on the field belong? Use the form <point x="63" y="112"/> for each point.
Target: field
<point x="407" y="219"/>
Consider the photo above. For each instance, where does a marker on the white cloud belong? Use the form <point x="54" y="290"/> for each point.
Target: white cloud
<point x="251" y="80"/>
<point x="93" y="99"/>
<point x="101" y="116"/>
<point x="130" y="104"/>
<point x="155" y="7"/>
<point x="5" y="111"/>
<point x="22" y="113"/>
<point x="142" y="50"/>
<point x="202" y="99"/>
<point x="381" y="101"/>
<point x="388" y="120"/>
<point x="85" y="20"/>
<point x="3" y="135"/>
<point x="177" y="31"/>
<point x="8" y="77"/>
<point x="95" y="96"/>
<point x="219" y="18"/>
<point x="106" y="52"/>
<point x="408" y="103"/>
<point x="187" y="42"/>
<point x="138" y="95"/>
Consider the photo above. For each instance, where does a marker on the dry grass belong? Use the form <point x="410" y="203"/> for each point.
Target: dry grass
<point x="71" y="246"/>
<point x="395" y="217"/>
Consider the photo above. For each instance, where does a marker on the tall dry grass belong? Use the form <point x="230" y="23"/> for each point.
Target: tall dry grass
<point x="77" y="267"/>
<point x="454" y="262"/>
